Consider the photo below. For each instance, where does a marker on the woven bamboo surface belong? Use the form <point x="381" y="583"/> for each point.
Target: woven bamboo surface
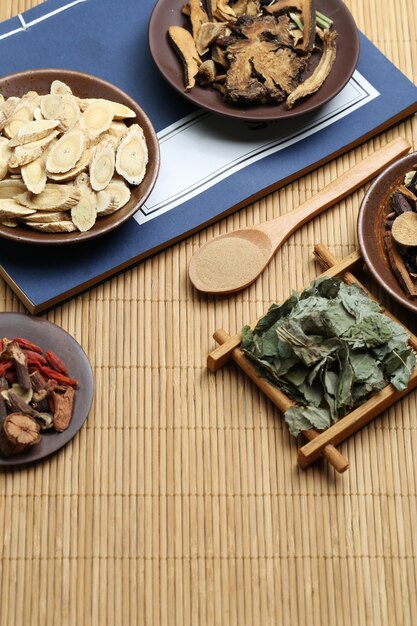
<point x="180" y="503"/>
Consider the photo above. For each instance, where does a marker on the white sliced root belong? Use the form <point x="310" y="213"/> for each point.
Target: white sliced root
<point x="10" y="208"/>
<point x="63" y="226"/>
<point x="34" y="175"/>
<point x="5" y="154"/>
<point x="54" y="196"/>
<point x="6" y="111"/>
<point x="32" y="97"/>
<point x="11" y="188"/>
<point x="66" y="152"/>
<point x="58" y="87"/>
<point x="33" y="131"/>
<point x="132" y="156"/>
<point x="22" y="114"/>
<point x="10" y="223"/>
<point x="84" y="213"/>
<point x="102" y="165"/>
<point x="46" y="217"/>
<point x="60" y="107"/>
<point x="79" y="167"/>
<point x="116" y="193"/>
<point x="96" y="118"/>
<point x="118" y="130"/>
<point x="37" y="114"/>
<point x="22" y="156"/>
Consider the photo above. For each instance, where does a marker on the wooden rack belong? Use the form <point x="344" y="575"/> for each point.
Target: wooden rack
<point x="323" y="443"/>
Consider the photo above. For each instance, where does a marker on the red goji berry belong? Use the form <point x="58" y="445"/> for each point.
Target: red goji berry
<point x="4" y="367"/>
<point x="55" y="362"/>
<point x="27" y="345"/>
<point x="60" y="378"/>
<point x="34" y="356"/>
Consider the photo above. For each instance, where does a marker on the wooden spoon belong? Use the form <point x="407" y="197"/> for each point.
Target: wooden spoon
<point x="234" y="260"/>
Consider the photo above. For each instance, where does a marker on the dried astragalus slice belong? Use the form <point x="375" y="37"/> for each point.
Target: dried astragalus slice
<point x="10" y="223"/>
<point x="64" y="226"/>
<point x="102" y="165"/>
<point x="54" y="196"/>
<point x="96" y="118"/>
<point x="10" y="208"/>
<point x="22" y="114"/>
<point x="46" y="217"/>
<point x="132" y="156"/>
<point x="84" y="213"/>
<point x="59" y="87"/>
<point x="116" y="193"/>
<point x="33" y="131"/>
<point x="60" y="107"/>
<point x="21" y="155"/>
<point x="9" y="188"/>
<point x="66" y="152"/>
<point x="5" y="154"/>
<point x="120" y="111"/>
<point x="6" y="111"/>
<point x="34" y="175"/>
<point x="117" y="130"/>
<point x="79" y="167"/>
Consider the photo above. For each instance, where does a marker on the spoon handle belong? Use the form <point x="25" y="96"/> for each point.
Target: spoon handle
<point x="280" y="228"/>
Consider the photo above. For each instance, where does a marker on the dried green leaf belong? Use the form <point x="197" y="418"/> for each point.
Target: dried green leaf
<point x="301" y="418"/>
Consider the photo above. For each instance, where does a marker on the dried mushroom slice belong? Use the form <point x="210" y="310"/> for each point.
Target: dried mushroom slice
<point x="63" y="226"/>
<point x="67" y="151"/>
<point x="102" y="165"/>
<point x="206" y="73"/>
<point x="34" y="175"/>
<point x="132" y="156"/>
<point x="96" y="118"/>
<point x="9" y="208"/>
<point x="33" y="131"/>
<point x="54" y="196"/>
<point x="317" y="78"/>
<point x="84" y="213"/>
<point x="183" y="42"/>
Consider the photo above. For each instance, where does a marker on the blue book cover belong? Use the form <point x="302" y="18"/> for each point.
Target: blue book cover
<point x="241" y="161"/>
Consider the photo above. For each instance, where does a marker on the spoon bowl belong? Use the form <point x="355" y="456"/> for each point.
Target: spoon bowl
<point x="231" y="262"/>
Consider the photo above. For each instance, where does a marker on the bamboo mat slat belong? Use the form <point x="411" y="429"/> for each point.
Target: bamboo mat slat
<point x="179" y="503"/>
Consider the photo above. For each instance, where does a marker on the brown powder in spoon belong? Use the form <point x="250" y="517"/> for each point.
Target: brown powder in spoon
<point x="228" y="263"/>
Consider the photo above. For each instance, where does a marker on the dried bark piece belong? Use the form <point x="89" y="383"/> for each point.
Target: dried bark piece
<point x="113" y="197"/>
<point x="308" y="15"/>
<point x="37" y="381"/>
<point x="132" y="156"/>
<point x="63" y="226"/>
<point x="183" y="42"/>
<point x="96" y="118"/>
<point x="54" y="196"/>
<point x="66" y="152"/>
<point x="3" y="410"/>
<point x="17" y="404"/>
<point x="17" y="433"/>
<point x="198" y="16"/>
<point x="33" y="131"/>
<point x="222" y="11"/>
<point x="317" y="78"/>
<point x="34" y="175"/>
<point x="247" y="7"/>
<point x="63" y="398"/>
<point x="398" y="266"/>
<point x="23" y="393"/>
<point x="404" y="229"/>
<point x="9" y="208"/>
<point x="400" y="203"/>
<point x="84" y="213"/>
<point x="102" y="165"/>
<point x="14" y="352"/>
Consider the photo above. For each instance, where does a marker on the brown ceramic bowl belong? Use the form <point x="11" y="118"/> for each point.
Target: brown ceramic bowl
<point x="85" y="86"/>
<point x="168" y="13"/>
<point x="48" y="336"/>
<point x="371" y="228"/>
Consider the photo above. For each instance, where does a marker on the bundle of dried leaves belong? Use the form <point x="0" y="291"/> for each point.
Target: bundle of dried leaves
<point x="328" y="348"/>
<point x="400" y="238"/>
<point x="36" y="394"/>
<point x="253" y="51"/>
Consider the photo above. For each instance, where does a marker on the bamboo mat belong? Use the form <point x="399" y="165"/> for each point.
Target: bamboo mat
<point x="180" y="503"/>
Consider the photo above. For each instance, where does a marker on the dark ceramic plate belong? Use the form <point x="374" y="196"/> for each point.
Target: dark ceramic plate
<point x="168" y="13"/>
<point x="371" y="228"/>
<point x="50" y="337"/>
<point x="85" y="86"/>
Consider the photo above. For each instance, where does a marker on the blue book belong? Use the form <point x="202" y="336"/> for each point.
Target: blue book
<point x="238" y="161"/>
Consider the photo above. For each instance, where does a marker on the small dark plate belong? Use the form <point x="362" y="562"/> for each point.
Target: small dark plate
<point x="85" y="86"/>
<point x="51" y="337"/>
<point x="371" y="228"/>
<point x="168" y="13"/>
